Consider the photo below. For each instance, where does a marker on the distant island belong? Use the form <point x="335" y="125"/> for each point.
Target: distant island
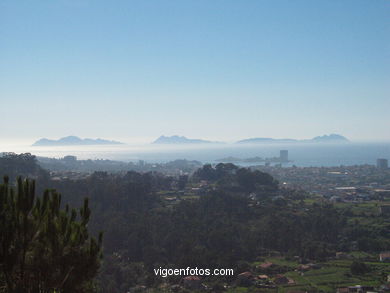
<point x="331" y="138"/>
<point x="175" y="139"/>
<point x="239" y="160"/>
<point x="266" y="140"/>
<point x="283" y="158"/>
<point x="74" y="140"/>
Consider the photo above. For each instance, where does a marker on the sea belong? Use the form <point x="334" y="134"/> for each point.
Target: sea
<point x="300" y="154"/>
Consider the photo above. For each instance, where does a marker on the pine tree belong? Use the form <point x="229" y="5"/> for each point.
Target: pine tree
<point x="44" y="248"/>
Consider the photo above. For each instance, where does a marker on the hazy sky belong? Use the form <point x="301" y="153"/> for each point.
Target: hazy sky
<point x="221" y="70"/>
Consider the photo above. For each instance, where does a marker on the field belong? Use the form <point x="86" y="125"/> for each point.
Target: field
<point x="332" y="275"/>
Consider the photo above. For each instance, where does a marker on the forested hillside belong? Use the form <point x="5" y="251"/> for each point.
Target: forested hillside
<point x="235" y="218"/>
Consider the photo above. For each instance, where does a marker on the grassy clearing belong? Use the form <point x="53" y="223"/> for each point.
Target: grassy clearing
<point x="336" y="273"/>
<point x="332" y="274"/>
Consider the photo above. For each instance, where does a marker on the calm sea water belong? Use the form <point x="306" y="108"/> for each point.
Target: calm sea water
<point x="300" y="154"/>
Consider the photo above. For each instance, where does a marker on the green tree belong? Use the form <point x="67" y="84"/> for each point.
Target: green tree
<point x="42" y="247"/>
<point x="359" y="268"/>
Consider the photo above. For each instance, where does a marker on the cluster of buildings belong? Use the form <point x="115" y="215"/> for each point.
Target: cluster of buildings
<point x="73" y="164"/>
<point x="382" y="164"/>
<point x="364" y="289"/>
<point x="247" y="279"/>
<point x="343" y="183"/>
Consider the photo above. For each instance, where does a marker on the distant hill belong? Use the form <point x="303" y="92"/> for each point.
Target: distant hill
<point x="330" y="138"/>
<point x="334" y="138"/>
<point x="266" y="140"/>
<point x="25" y="165"/>
<point x="239" y="160"/>
<point x="175" y="139"/>
<point x="74" y="140"/>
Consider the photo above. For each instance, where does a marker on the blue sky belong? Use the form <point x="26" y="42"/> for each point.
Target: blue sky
<point x="222" y="70"/>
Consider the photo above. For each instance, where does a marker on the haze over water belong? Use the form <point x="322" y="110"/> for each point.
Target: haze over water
<point x="301" y="154"/>
<point x="207" y="69"/>
<point x="225" y="70"/>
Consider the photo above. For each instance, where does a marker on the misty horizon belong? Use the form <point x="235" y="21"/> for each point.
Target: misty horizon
<point x="130" y="140"/>
<point x="210" y="70"/>
<point x="249" y="137"/>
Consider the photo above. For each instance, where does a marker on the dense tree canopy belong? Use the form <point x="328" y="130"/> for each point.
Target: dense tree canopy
<point x="42" y="247"/>
<point x="14" y="165"/>
<point x="242" y="215"/>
